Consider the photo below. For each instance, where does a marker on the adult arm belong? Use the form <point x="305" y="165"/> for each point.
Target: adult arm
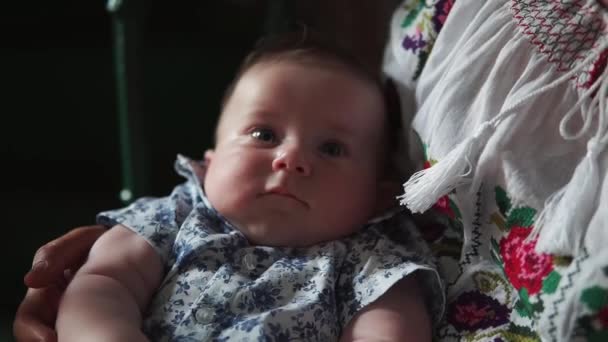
<point x="35" y="318"/>
<point x="106" y="298"/>
<point x="400" y="314"/>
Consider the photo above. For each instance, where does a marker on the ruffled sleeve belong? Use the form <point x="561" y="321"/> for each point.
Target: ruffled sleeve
<point x="158" y="220"/>
<point x="378" y="258"/>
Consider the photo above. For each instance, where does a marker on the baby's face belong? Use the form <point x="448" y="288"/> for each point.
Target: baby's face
<point x="297" y="158"/>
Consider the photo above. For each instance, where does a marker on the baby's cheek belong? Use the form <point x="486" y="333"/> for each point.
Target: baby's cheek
<point x="228" y="198"/>
<point x="353" y="205"/>
<point x="217" y="191"/>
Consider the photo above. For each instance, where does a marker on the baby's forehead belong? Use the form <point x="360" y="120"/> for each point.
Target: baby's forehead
<point x="328" y="63"/>
<point x="367" y="93"/>
<point x="321" y="66"/>
<point x="325" y="81"/>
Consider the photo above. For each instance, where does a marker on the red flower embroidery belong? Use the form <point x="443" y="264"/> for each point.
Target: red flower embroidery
<point x="443" y="205"/>
<point x="444" y="10"/>
<point x="523" y="266"/>
<point x="432" y="232"/>
<point x="474" y="310"/>
<point x="602" y="316"/>
<point x="472" y="314"/>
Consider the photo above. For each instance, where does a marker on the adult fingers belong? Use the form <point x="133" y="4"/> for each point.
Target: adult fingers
<point x="66" y="252"/>
<point x="35" y="318"/>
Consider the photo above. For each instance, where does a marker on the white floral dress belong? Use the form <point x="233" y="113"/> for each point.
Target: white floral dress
<point x="510" y="111"/>
<point x="219" y="287"/>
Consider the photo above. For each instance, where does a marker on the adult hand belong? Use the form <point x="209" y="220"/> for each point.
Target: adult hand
<point x="35" y="318"/>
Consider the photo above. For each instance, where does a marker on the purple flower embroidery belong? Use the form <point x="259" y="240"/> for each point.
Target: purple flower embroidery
<point x="473" y="311"/>
<point x="413" y="43"/>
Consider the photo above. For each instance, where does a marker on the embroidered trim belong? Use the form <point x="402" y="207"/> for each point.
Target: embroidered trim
<point x="566" y="31"/>
<point x="569" y="283"/>
<point x="475" y="232"/>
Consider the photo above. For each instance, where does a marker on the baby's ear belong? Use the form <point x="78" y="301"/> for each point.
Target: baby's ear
<point x="388" y="190"/>
<point x="209" y="156"/>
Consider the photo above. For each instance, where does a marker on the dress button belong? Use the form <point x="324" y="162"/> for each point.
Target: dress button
<point x="203" y="316"/>
<point x="249" y="262"/>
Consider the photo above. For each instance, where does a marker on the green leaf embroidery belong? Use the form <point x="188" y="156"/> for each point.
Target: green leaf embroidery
<point x="496" y="259"/>
<point x="523" y="294"/>
<point x="523" y="306"/>
<point x="595" y="297"/>
<point x="454" y="208"/>
<point x="522" y="309"/>
<point x="538" y="306"/>
<point x="522" y="217"/>
<point x="498" y="221"/>
<point x="495" y="246"/>
<point x="447" y="247"/>
<point x="413" y="13"/>
<point x="550" y="283"/>
<point x="425" y="147"/>
<point x="485" y="281"/>
<point x="524" y="333"/>
<point x="502" y="201"/>
<point x="525" y="299"/>
<point x="598" y="336"/>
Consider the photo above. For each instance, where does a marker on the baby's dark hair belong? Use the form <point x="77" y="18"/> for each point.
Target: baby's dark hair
<point x="305" y="46"/>
<point x="308" y="46"/>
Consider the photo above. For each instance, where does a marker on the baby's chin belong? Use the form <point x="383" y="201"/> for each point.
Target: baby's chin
<point x="276" y="237"/>
<point x="290" y="225"/>
<point x="297" y="236"/>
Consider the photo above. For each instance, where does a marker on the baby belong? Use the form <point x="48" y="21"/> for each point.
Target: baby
<point x="277" y="234"/>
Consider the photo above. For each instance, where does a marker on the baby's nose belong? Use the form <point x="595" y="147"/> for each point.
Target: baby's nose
<point x="292" y="160"/>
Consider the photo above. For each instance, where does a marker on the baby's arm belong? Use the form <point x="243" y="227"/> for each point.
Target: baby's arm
<point x="106" y="298"/>
<point x="398" y="315"/>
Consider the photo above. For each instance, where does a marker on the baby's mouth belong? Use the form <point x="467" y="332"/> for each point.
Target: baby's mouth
<point x="280" y="191"/>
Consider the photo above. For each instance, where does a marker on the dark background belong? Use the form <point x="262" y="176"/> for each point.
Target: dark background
<point x="58" y="103"/>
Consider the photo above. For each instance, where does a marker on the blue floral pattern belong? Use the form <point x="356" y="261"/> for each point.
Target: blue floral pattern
<point x="218" y="286"/>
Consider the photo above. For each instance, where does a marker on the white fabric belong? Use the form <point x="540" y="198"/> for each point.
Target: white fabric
<point x="492" y="108"/>
<point x="480" y="68"/>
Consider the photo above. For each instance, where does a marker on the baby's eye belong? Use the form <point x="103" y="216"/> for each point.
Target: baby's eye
<point x="333" y="149"/>
<point x="263" y="135"/>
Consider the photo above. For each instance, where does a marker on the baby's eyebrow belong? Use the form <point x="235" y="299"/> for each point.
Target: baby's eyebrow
<point x="342" y="129"/>
<point x="264" y="114"/>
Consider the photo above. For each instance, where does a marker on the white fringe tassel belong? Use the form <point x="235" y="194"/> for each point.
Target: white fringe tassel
<point x="425" y="187"/>
<point x="562" y="224"/>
